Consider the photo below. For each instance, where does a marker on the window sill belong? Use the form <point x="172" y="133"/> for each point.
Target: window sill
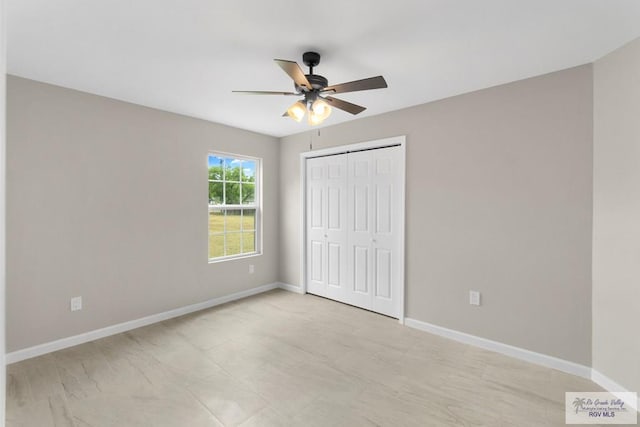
<point x="234" y="257"/>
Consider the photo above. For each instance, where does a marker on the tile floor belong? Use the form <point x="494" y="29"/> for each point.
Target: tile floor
<point x="282" y="359"/>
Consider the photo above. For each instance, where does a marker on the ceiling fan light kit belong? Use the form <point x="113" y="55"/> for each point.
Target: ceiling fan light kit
<point x="313" y="86"/>
<point x="321" y="108"/>
<point x="296" y="111"/>
<point x="318" y="112"/>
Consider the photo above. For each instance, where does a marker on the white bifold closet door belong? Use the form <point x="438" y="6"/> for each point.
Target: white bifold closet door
<point x="327" y="226"/>
<point x="354" y="209"/>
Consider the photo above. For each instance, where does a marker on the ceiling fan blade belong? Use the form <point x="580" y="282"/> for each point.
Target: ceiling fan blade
<point x="356" y="85"/>
<point x="294" y="71"/>
<point x="263" y="92"/>
<point x="286" y="114"/>
<point x="344" y="105"/>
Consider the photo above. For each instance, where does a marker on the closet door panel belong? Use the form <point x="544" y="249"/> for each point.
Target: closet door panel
<point x="336" y="229"/>
<point x="360" y="229"/>
<point x="382" y="273"/>
<point x="317" y="273"/>
<point x="361" y="270"/>
<point x="316" y="224"/>
<point x="386" y="180"/>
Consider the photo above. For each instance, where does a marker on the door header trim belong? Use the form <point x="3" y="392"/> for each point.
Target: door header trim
<point x="360" y="146"/>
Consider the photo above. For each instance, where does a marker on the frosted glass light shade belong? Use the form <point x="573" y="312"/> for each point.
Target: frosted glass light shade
<point x="297" y="110"/>
<point x="320" y="110"/>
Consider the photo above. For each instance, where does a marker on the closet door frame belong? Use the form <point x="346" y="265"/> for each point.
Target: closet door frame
<point x="399" y="141"/>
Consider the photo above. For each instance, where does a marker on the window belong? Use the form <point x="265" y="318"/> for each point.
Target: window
<point x="234" y="207"/>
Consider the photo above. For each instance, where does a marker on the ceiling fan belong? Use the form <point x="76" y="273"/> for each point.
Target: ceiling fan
<point x="315" y="88"/>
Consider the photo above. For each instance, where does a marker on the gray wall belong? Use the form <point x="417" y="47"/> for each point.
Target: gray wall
<point x="616" y="216"/>
<point x="108" y="200"/>
<point x="3" y="68"/>
<point x="499" y="199"/>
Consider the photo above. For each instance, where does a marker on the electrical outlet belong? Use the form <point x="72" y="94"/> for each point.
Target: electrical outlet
<point x="252" y="269"/>
<point x="474" y="297"/>
<point x="76" y="303"/>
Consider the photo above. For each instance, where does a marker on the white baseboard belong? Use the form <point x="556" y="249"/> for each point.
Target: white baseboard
<point x="527" y="355"/>
<point x="290" y="288"/>
<point x="509" y="350"/>
<point x="612" y="387"/>
<point x="498" y="347"/>
<point x="38" y="350"/>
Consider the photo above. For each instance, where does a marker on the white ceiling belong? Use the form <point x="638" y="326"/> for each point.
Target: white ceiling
<point x="186" y="56"/>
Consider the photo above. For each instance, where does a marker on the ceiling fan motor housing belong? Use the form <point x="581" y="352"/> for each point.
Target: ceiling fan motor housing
<point x="317" y="81"/>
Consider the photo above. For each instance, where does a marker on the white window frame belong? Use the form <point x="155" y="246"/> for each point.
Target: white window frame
<point x="257" y="205"/>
